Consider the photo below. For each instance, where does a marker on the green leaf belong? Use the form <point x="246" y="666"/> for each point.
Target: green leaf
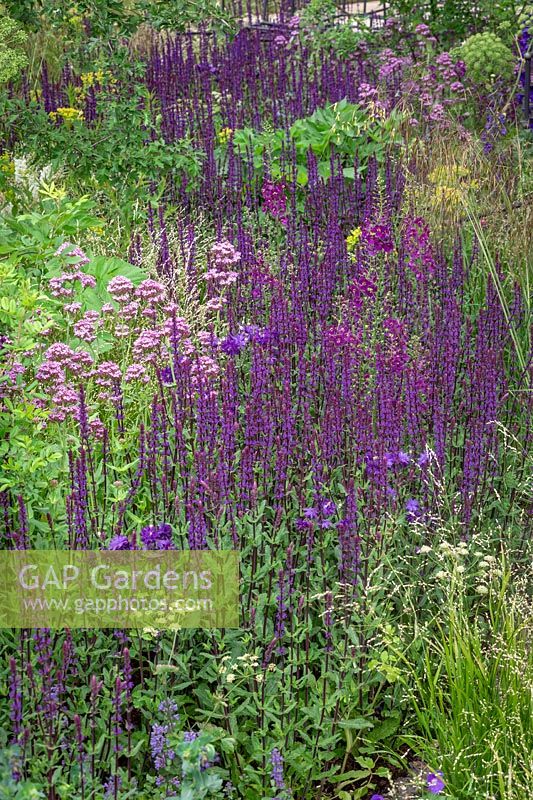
<point x="358" y="724"/>
<point x="384" y="729"/>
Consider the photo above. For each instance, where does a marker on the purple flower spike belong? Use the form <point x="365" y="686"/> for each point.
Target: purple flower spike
<point x="276" y="759"/>
<point x="412" y="508"/>
<point x="377" y="797"/>
<point x="435" y="782"/>
<point x="234" y="344"/>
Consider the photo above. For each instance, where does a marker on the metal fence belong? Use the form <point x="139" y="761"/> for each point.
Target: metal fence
<point x="279" y="10"/>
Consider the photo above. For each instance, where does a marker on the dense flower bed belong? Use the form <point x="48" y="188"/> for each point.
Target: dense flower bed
<point x="290" y="359"/>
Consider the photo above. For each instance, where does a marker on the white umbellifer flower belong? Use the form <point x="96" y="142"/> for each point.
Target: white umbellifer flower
<point x="461" y="568"/>
<point x="442" y="574"/>
<point x="230" y="677"/>
<point x="481" y="589"/>
<point x="27" y="175"/>
<point x="21" y="169"/>
<point x="425" y="549"/>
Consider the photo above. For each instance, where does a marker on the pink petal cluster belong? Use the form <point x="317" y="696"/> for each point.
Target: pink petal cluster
<point x="223" y="256"/>
<point x="60" y="287"/>
<point x="150" y="290"/>
<point x="148" y="345"/>
<point x="136" y="372"/>
<point x="121" y="289"/>
<point x="106" y="373"/>
<point x="87" y="326"/>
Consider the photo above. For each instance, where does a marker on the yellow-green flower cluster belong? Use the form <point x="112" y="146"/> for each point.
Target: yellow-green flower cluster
<point x="7" y="165"/>
<point x="352" y="239"/>
<point x="224" y="135"/>
<point x="68" y="114"/>
<point x="75" y="18"/>
<point x="450" y="182"/>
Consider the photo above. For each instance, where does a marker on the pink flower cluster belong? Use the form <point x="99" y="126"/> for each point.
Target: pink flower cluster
<point x="64" y="368"/>
<point x="223" y="256"/>
<point x="121" y="289"/>
<point x="136" y="372"/>
<point x="52" y="373"/>
<point x="61" y="287"/>
<point x="424" y="31"/>
<point x="107" y="373"/>
<point x="204" y="367"/>
<point x="124" y="292"/>
<point x="78" y="362"/>
<point x="392" y="64"/>
<point x="86" y="327"/>
<point x="148" y="346"/>
<point x="367" y="94"/>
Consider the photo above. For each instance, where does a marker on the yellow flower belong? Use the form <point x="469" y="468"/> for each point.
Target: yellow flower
<point x="90" y="78"/>
<point x="224" y="135"/>
<point x="353" y="239"/>
<point x="68" y="115"/>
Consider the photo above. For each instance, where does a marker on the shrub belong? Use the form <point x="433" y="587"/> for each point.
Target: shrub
<point x="12" y="56"/>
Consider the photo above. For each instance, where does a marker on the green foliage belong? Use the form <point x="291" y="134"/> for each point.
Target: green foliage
<point x="453" y="19"/>
<point x="104" y="15"/>
<point x="12" y="41"/>
<point x="178" y="15"/>
<point x="342" y="129"/>
<point x="20" y="299"/>
<point x="486" y="57"/>
<point x="121" y="155"/>
<point x="11" y="789"/>
<point x="473" y="699"/>
<point x="321" y="29"/>
<point x="197" y="782"/>
<point x="30" y="239"/>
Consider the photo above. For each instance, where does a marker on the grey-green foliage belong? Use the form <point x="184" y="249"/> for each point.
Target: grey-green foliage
<point x="12" y="41"/>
